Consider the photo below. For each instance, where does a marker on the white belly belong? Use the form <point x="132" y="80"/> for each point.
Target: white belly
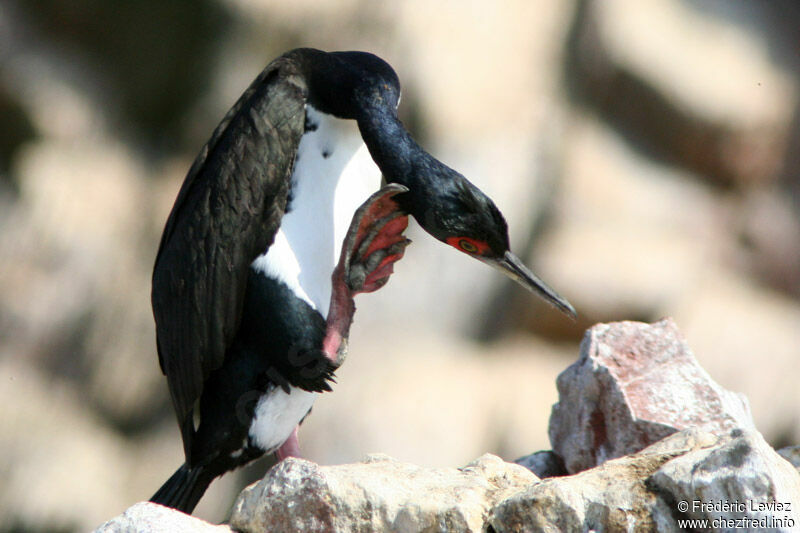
<point x="326" y="192"/>
<point x="276" y="415"/>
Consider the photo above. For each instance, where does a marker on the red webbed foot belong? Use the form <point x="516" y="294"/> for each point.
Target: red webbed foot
<point x="374" y="241"/>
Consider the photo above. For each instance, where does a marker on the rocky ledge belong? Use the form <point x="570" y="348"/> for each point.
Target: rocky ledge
<point x="643" y="440"/>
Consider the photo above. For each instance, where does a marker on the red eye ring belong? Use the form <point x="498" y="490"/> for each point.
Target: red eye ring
<point x="468" y="245"/>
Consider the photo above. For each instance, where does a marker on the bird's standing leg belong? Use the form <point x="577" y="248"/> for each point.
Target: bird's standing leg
<point x="290" y="448"/>
<point x="374" y="242"/>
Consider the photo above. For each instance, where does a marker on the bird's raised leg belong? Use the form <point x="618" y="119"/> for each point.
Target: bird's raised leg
<point x="372" y="245"/>
<point x="374" y="242"/>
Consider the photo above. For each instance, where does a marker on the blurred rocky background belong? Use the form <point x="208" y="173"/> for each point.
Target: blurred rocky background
<point x="645" y="154"/>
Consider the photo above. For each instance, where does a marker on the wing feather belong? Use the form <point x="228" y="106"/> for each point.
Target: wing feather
<point x="226" y="214"/>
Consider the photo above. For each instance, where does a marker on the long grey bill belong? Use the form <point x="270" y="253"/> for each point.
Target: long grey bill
<point x="511" y="266"/>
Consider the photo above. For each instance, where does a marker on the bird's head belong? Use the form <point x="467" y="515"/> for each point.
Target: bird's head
<point x="457" y="213"/>
<point x="443" y="201"/>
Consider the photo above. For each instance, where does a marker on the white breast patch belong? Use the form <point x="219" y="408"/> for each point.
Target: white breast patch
<point x="333" y="175"/>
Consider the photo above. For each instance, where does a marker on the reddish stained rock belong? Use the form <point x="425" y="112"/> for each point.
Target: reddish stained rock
<point x="633" y="385"/>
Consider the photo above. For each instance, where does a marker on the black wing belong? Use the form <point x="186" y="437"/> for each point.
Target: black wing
<point x="226" y="214"/>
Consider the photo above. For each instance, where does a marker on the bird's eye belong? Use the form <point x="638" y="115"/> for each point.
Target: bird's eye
<point x="468" y="245"/>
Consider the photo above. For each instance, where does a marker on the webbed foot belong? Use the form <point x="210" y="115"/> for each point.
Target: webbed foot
<point x="374" y="242"/>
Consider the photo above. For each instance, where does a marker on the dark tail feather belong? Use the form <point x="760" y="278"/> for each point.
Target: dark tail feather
<point x="184" y="488"/>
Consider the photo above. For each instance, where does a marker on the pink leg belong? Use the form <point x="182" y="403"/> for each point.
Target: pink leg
<point x="290" y="448"/>
<point x="373" y="244"/>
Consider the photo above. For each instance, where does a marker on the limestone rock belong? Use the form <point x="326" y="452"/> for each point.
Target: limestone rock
<point x="741" y="483"/>
<point x="611" y="497"/>
<point x="544" y="464"/>
<point x="791" y="454"/>
<point x="633" y="385"/>
<point x="380" y="494"/>
<point x="146" y="517"/>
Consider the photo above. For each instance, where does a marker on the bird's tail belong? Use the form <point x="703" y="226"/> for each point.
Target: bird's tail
<point x="184" y="488"/>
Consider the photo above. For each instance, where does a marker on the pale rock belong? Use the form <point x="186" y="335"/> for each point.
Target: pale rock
<point x="380" y="494"/>
<point x="791" y="454"/>
<point x="745" y="473"/>
<point x="633" y="385"/>
<point x="146" y="517"/>
<point x="688" y="475"/>
<point x="611" y="497"/>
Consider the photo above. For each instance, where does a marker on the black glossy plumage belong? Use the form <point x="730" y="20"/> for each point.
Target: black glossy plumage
<point x="231" y="203"/>
<point x="277" y="345"/>
<point x="225" y="333"/>
<point x="184" y="488"/>
<point x="226" y="214"/>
